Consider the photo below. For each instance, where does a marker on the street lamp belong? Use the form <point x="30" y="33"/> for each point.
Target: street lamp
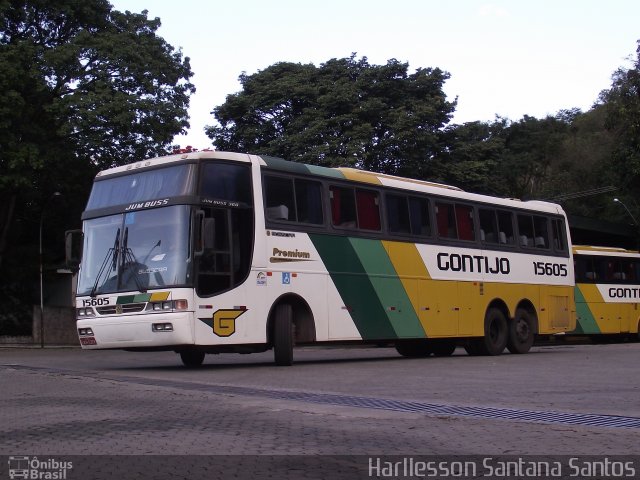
<point x="617" y="200"/>
<point x="53" y="195"/>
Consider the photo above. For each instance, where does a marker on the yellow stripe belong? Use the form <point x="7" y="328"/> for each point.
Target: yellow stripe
<point x="406" y="259"/>
<point x="159" y="296"/>
<point x="360" y="176"/>
<point x="410" y="268"/>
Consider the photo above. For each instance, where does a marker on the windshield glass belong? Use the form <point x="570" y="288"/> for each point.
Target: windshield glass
<point x="136" y="251"/>
<point x="142" y="186"/>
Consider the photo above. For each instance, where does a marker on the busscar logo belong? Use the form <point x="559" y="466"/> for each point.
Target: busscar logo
<point x="279" y="256"/>
<point x="34" y="468"/>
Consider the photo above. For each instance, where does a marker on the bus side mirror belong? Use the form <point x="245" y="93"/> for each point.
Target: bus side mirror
<point x="73" y="240"/>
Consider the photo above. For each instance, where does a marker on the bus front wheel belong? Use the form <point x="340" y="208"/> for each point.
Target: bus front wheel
<point x="283" y="335"/>
<point x="191" y="358"/>
<point x="521" y="332"/>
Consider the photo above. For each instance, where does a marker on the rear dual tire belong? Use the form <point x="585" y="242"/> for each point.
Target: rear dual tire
<point x="517" y="336"/>
<point x="496" y="335"/>
<point x="521" y="332"/>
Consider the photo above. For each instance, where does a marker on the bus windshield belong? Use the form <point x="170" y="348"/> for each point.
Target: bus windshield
<point x="136" y="251"/>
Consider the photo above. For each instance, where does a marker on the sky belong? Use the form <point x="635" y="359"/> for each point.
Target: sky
<point x="505" y="58"/>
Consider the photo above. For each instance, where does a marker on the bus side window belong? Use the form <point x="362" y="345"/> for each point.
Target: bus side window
<point x="600" y="268"/>
<point x="540" y="232"/>
<point x="559" y="236"/>
<point x="505" y="228"/>
<point x="398" y="214"/>
<point x="280" y="204"/>
<point x="618" y="274"/>
<point x="464" y="222"/>
<point x="368" y="205"/>
<point x="309" y="201"/>
<point x="525" y="230"/>
<point x="343" y="207"/>
<point x="488" y="226"/>
<point x="419" y="213"/>
<point x="446" y="220"/>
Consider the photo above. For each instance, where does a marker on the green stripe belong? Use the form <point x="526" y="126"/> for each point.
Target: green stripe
<point x="586" y="322"/>
<point x="140" y="297"/>
<point x="354" y="286"/>
<point x="300" y="168"/>
<point x="369" y="285"/>
<point x="388" y="287"/>
<point x="122" y="299"/>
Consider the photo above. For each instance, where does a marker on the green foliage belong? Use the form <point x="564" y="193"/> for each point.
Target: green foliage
<point x="84" y="78"/>
<point x="82" y="87"/>
<point x="472" y="155"/>
<point x="379" y="117"/>
<point x="345" y="112"/>
<point x="622" y="104"/>
<point x="530" y="147"/>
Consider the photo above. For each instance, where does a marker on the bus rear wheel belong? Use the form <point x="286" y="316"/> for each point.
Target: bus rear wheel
<point x="191" y="358"/>
<point x="496" y="333"/>
<point x="283" y="335"/>
<point x="495" y="337"/>
<point x="521" y="332"/>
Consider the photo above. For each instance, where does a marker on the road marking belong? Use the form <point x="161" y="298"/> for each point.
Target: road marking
<point x="436" y="409"/>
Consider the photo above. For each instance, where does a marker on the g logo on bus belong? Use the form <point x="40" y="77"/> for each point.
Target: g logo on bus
<point x="223" y="321"/>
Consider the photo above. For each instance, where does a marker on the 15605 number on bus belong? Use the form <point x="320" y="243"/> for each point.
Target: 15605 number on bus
<point x="550" y="269"/>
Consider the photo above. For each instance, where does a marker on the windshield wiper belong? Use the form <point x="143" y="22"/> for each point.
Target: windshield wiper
<point x="112" y="254"/>
<point x="128" y="258"/>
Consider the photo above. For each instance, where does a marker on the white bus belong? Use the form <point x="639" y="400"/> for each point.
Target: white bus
<point x="213" y="252"/>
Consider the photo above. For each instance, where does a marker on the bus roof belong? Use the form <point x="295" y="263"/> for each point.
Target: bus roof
<point x="604" y="251"/>
<point x="346" y="173"/>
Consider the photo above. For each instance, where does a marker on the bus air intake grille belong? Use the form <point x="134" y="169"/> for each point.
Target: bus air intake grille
<point x="125" y="308"/>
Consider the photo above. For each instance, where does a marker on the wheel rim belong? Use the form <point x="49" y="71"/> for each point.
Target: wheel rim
<point x="522" y="330"/>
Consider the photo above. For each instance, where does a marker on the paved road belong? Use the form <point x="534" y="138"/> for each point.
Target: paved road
<point x="558" y="400"/>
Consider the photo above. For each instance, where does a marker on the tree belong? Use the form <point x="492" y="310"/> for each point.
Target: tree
<point x="471" y="156"/>
<point x="530" y="147"/>
<point x="622" y="103"/>
<point x="345" y="112"/>
<point x="82" y="87"/>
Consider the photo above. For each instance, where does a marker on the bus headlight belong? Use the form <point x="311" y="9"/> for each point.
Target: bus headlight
<point x="168" y="306"/>
<point x="85" y="312"/>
